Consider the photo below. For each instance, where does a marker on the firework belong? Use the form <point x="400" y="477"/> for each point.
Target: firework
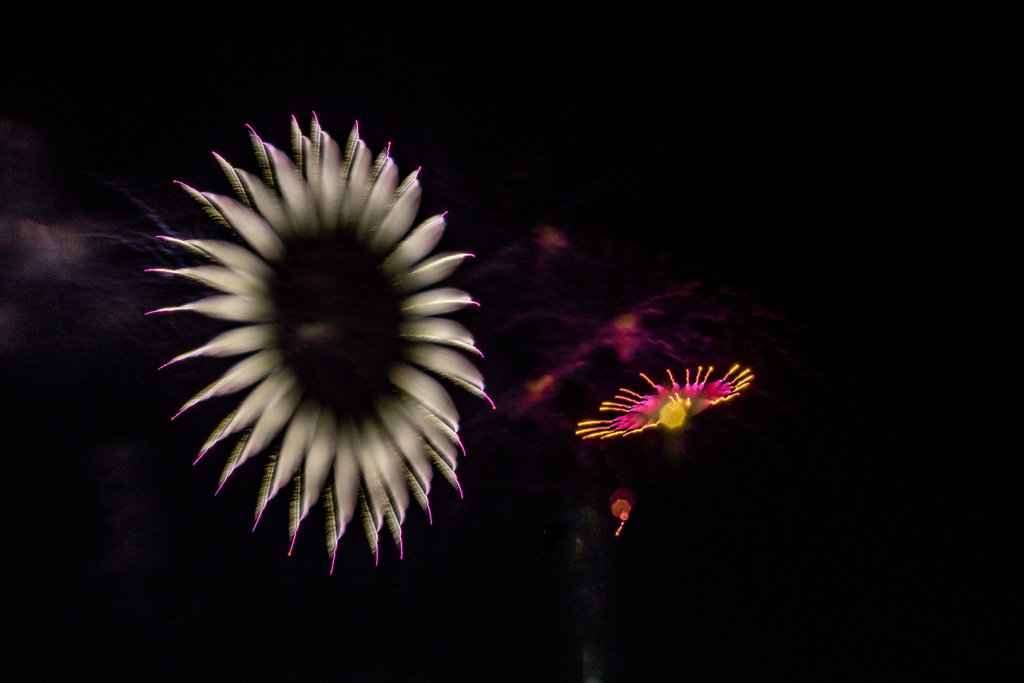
<point x="333" y="294"/>
<point x="669" y="407"/>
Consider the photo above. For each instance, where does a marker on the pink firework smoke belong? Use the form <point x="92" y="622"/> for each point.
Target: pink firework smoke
<point x="668" y="407"/>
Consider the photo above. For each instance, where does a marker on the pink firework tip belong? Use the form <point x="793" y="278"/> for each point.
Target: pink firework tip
<point x="669" y="407"/>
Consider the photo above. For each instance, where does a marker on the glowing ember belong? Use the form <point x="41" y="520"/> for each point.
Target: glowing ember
<point x="621" y="504"/>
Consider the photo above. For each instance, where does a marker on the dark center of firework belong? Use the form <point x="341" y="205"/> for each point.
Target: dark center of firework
<point x="339" y="322"/>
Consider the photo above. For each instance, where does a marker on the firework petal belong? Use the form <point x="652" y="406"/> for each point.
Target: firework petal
<point x="389" y="469"/>
<point x="435" y="302"/>
<point x="243" y="374"/>
<point x="436" y="432"/>
<point x="225" y="279"/>
<point x="230" y="255"/>
<point x="405" y="438"/>
<point x="266" y="202"/>
<point x="447" y="471"/>
<point x="294" y="190"/>
<point x="270" y="423"/>
<point x="209" y="208"/>
<point x="233" y="342"/>
<point x="399" y="217"/>
<point x="318" y="462"/>
<point x="293" y="448"/>
<point x="439" y="331"/>
<point x="238" y="308"/>
<point x="247" y="223"/>
<point x="233" y="178"/>
<point x="418" y="493"/>
<point x="446" y="363"/>
<point x="427" y="392"/>
<point x="346" y="480"/>
<point x="269" y="392"/>
<point x="373" y="490"/>
<point x="371" y="524"/>
<point x="381" y="506"/>
<point x="358" y="165"/>
<point x="429" y="272"/>
<point x="385" y="180"/>
<point x="418" y="244"/>
<point x="329" y="188"/>
<point x="261" y="157"/>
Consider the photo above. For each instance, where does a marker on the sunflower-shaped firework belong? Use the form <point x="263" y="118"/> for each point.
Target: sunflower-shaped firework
<point x="336" y="315"/>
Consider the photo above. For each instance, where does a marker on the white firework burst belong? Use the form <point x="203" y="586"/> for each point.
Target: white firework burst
<point x="332" y="291"/>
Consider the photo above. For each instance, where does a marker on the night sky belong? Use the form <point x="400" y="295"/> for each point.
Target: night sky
<point x="725" y="185"/>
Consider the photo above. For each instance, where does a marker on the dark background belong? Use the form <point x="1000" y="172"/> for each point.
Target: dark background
<point x="738" y="183"/>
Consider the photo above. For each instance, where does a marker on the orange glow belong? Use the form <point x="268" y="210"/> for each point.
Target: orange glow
<point x="626" y="322"/>
<point x="535" y="388"/>
<point x="550" y="239"/>
<point x="624" y="330"/>
<point x="621" y="504"/>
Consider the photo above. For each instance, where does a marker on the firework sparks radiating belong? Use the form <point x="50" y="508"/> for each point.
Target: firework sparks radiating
<point x="668" y="407"/>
